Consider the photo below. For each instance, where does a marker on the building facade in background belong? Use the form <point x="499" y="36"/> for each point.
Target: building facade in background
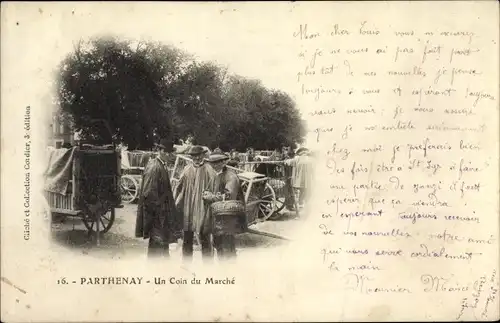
<point x="61" y="132"/>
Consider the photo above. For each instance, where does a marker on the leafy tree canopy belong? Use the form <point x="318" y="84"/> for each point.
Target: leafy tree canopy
<point x="148" y="90"/>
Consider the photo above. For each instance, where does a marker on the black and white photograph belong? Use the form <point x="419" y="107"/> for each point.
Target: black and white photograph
<point x="148" y="146"/>
<point x="303" y="161"/>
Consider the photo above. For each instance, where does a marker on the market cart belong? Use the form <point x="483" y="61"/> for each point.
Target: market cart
<point x="279" y="178"/>
<point x="132" y="165"/>
<point x="83" y="182"/>
<point x="260" y="198"/>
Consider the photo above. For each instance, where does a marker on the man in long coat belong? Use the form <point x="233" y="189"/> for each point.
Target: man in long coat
<point x="225" y="186"/>
<point x="193" y="181"/>
<point x="156" y="212"/>
<point x="302" y="173"/>
<point x="287" y="153"/>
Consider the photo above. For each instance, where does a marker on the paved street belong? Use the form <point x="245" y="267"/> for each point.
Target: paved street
<point x="120" y="240"/>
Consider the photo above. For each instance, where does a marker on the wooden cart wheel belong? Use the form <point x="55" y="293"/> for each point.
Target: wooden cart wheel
<point x="267" y="203"/>
<point x="278" y="206"/>
<point x="106" y="222"/>
<point x="279" y="187"/>
<point x="129" y="188"/>
<point x="279" y="203"/>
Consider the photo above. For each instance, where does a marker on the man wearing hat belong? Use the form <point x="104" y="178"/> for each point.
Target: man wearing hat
<point x="225" y="186"/>
<point x="193" y="181"/>
<point x="156" y="212"/>
<point x="167" y="149"/>
<point x="301" y="172"/>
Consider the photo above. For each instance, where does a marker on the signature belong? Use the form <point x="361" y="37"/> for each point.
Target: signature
<point x="441" y="284"/>
<point x="491" y="298"/>
<point x="366" y="285"/>
<point x="485" y="292"/>
<point x="493" y="291"/>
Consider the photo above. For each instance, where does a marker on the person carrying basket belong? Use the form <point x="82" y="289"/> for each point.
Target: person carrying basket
<point x="227" y="207"/>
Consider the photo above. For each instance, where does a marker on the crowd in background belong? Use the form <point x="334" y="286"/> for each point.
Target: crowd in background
<point x="164" y="210"/>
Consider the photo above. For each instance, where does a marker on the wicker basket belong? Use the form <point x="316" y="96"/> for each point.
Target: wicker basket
<point x="231" y="207"/>
<point x="229" y="217"/>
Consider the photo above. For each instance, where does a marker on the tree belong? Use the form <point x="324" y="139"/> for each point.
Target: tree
<point x="147" y="91"/>
<point x="197" y="97"/>
<point x="106" y="79"/>
<point x="258" y="117"/>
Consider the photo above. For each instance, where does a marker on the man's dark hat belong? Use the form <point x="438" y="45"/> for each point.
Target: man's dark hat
<point x="196" y="150"/>
<point x="164" y="143"/>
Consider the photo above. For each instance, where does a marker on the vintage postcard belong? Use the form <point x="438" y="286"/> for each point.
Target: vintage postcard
<point x="243" y="161"/>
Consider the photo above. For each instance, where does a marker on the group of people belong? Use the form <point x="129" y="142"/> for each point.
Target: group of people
<point x="298" y="172"/>
<point x="298" y="175"/>
<point x="166" y="214"/>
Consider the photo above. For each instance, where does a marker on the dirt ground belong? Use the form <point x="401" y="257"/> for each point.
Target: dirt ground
<point x="120" y="241"/>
